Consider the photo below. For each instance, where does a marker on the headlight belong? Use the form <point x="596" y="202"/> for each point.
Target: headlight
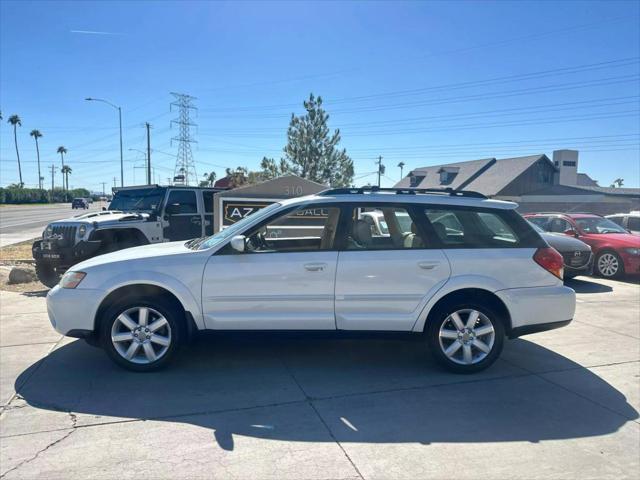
<point x="71" y="279"/>
<point x="632" y="251"/>
<point x="82" y="230"/>
<point x="48" y="231"/>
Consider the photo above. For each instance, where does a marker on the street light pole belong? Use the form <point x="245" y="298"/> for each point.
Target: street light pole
<point x="89" y="99"/>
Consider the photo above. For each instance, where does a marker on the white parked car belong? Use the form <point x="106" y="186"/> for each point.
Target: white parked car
<point x="465" y="273"/>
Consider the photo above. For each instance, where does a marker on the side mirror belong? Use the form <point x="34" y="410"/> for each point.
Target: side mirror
<point x="238" y="243"/>
<point x="172" y="209"/>
<point x="571" y="232"/>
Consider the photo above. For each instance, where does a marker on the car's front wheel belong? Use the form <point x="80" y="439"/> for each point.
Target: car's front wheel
<point x="465" y="337"/>
<point x="609" y="265"/>
<point x="141" y="334"/>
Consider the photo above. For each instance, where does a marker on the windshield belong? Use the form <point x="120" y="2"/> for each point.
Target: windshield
<point x="143" y="199"/>
<point x="598" y="225"/>
<point x="236" y="228"/>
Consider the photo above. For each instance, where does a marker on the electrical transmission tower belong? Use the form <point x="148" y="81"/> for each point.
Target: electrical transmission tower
<point x="185" y="169"/>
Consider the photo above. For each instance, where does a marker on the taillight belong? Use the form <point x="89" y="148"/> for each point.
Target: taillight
<point x="549" y="259"/>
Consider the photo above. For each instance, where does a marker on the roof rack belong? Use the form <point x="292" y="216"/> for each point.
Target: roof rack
<point x="403" y="191"/>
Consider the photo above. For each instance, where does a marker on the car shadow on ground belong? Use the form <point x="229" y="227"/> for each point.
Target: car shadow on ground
<point x="366" y="390"/>
<point x="587" y="285"/>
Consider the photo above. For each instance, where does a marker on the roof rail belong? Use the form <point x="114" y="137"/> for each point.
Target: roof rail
<point x="403" y="191"/>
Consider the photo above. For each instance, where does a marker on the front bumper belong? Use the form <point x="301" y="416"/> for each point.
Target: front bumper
<point x="537" y="309"/>
<point x="73" y="310"/>
<point x="631" y="263"/>
<point x="59" y="254"/>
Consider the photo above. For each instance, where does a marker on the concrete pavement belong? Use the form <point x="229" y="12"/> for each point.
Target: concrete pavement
<point x="24" y="222"/>
<point x="561" y="404"/>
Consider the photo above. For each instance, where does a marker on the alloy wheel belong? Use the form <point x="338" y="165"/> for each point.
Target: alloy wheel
<point x="466" y="336"/>
<point x="141" y="335"/>
<point x="608" y="265"/>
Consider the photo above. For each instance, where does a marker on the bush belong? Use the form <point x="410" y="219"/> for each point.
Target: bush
<point x="15" y="194"/>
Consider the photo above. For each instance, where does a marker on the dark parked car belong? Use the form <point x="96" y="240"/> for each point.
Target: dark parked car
<point x="79" y="203"/>
<point x="576" y="255"/>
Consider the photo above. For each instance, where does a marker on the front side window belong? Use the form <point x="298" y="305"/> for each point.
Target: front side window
<point x="381" y="228"/>
<point x="183" y="201"/>
<point x="598" y="225"/>
<point x="303" y="229"/>
<point x="467" y="228"/>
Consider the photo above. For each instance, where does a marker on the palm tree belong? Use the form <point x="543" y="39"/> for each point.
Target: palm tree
<point x="66" y="171"/>
<point x="61" y="150"/>
<point x="401" y="166"/>
<point x="16" y="122"/>
<point x="209" y="179"/>
<point x="36" y="134"/>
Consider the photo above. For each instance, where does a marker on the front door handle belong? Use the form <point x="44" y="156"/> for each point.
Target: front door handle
<point x="428" y="265"/>
<point x="315" y="267"/>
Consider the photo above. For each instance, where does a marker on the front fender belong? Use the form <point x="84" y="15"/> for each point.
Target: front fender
<point x="141" y="277"/>
<point x="479" y="282"/>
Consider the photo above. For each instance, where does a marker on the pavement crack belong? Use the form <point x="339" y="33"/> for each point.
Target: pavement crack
<point x="38" y="453"/>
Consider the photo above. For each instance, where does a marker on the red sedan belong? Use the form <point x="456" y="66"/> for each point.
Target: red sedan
<point x="616" y="250"/>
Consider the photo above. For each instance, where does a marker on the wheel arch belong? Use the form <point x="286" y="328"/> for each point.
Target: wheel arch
<point x="469" y="294"/>
<point x="140" y="289"/>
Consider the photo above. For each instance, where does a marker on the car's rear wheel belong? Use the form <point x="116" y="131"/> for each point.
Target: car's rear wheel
<point x="609" y="265"/>
<point x="465" y="338"/>
<point x="141" y="334"/>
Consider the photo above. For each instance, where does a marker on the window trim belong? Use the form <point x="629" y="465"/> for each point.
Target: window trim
<point x="226" y="249"/>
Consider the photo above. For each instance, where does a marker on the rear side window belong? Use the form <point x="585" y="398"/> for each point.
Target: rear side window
<point x="470" y="228"/>
<point x="633" y="223"/>
<point x="382" y="227"/>
<point x="185" y="199"/>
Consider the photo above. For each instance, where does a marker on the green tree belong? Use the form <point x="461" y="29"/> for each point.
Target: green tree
<point x="16" y="122"/>
<point x="62" y="151"/>
<point x="238" y="176"/>
<point x="618" y="182"/>
<point x="66" y="171"/>
<point x="209" y="179"/>
<point x="312" y="151"/>
<point x="36" y="135"/>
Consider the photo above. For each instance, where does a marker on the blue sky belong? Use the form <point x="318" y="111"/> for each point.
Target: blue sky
<point x="418" y="82"/>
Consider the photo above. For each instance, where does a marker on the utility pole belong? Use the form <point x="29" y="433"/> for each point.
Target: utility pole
<point x="103" y="184"/>
<point x="148" y="154"/>
<point x="401" y="165"/>
<point x="185" y="169"/>
<point x="381" y="169"/>
<point x="114" y="182"/>
<point x="53" y="172"/>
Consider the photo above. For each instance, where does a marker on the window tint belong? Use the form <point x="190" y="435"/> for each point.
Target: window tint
<point x="633" y="223"/>
<point x="186" y="199"/>
<point x="300" y="230"/>
<point x="466" y="228"/>
<point x="541" y="222"/>
<point x="207" y="197"/>
<point x="382" y="228"/>
<point x="559" y="225"/>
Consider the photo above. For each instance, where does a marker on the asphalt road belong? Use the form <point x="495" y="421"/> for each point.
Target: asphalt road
<point x="20" y="223"/>
<point x="558" y="404"/>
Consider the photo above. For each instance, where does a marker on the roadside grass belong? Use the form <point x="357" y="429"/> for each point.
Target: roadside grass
<point x="18" y="251"/>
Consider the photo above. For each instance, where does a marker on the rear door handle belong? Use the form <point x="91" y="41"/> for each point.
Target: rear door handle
<point x="315" y="267"/>
<point x="428" y="265"/>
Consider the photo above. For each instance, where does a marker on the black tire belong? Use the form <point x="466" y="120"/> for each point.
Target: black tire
<point x="605" y="272"/>
<point x="174" y="317"/>
<point x="47" y="274"/>
<point x="441" y="317"/>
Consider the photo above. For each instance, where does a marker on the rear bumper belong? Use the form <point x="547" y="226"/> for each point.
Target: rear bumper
<point x="586" y="269"/>
<point x="537" y="309"/>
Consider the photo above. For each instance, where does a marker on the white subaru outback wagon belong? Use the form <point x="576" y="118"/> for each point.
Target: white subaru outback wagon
<point x="464" y="273"/>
